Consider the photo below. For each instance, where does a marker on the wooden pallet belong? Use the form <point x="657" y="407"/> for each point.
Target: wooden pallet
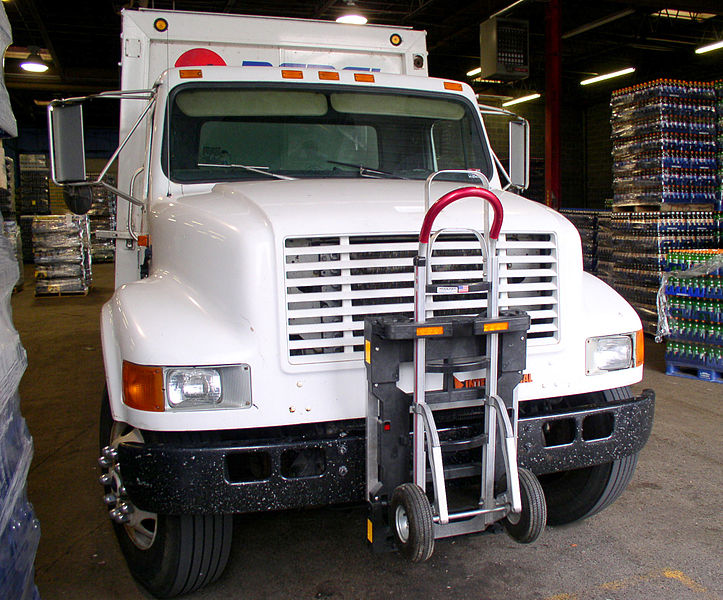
<point x="663" y="207"/>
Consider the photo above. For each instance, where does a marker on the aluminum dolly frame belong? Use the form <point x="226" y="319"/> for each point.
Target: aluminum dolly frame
<point x="496" y="343"/>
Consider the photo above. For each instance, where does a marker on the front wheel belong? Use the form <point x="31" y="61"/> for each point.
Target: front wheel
<point x="411" y="518"/>
<point x="168" y="555"/>
<point x="527" y="526"/>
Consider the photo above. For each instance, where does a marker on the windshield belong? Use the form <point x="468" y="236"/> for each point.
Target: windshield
<point x="241" y="133"/>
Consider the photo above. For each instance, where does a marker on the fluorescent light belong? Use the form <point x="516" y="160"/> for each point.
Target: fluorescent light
<point x="474" y="72"/>
<point x="352" y="19"/>
<point x="683" y="15"/>
<point x="521" y="99"/>
<point x="709" y="47"/>
<point x="608" y="76"/>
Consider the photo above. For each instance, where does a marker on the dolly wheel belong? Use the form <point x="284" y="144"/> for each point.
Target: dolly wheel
<point x="411" y="518"/>
<point x="528" y="525"/>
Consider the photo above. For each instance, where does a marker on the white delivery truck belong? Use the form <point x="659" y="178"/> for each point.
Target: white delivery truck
<point x="271" y="188"/>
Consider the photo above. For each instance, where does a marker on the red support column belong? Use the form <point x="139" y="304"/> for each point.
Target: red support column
<point x="553" y="83"/>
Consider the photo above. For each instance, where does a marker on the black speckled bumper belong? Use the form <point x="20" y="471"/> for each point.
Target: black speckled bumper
<point x="173" y="478"/>
<point x="627" y="426"/>
<point x="206" y="478"/>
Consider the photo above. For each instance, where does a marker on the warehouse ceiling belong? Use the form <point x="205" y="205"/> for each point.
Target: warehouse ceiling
<point x="80" y="40"/>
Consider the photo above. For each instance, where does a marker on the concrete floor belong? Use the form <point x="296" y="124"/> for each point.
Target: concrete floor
<point x="662" y="540"/>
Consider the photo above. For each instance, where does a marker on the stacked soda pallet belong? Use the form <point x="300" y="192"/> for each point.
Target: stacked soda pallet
<point x="102" y="218"/>
<point x="587" y="222"/>
<point x="632" y="249"/>
<point x="664" y="144"/>
<point x="7" y="189"/>
<point x="34" y="196"/>
<point x="694" y="347"/>
<point x="719" y="139"/>
<point x="19" y="529"/>
<point x="61" y="245"/>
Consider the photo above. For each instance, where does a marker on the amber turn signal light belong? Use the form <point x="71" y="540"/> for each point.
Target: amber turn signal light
<point x="143" y="387"/>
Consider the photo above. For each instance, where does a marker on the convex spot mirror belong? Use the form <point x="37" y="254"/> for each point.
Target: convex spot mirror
<point x="67" y="151"/>
<point x="78" y="198"/>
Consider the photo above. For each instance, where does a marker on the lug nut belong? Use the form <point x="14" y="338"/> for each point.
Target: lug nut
<point x="104" y="463"/>
<point x="124" y="508"/>
<point x="105" y="479"/>
<point x="118" y="516"/>
<point x="110" y="499"/>
<point x="110" y="453"/>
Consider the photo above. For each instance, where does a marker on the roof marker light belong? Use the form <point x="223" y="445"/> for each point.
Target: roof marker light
<point x="364" y="77"/>
<point x="453" y="85"/>
<point x="328" y="75"/>
<point x="190" y="73"/>
<point x="292" y="74"/>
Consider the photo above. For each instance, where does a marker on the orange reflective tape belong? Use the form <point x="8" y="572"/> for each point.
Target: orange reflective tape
<point x="504" y="326"/>
<point x="422" y="331"/>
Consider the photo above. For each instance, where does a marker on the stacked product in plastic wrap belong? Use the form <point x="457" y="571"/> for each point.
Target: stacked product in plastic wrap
<point x="719" y="139"/>
<point x="7" y="187"/>
<point x="12" y="232"/>
<point x="632" y="249"/>
<point x="664" y="143"/>
<point x="34" y="191"/>
<point x="586" y="222"/>
<point x="61" y="245"/>
<point x="19" y="529"/>
<point x="102" y="218"/>
<point x="691" y="314"/>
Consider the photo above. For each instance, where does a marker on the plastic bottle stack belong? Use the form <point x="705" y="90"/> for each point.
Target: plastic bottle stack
<point x="61" y="245"/>
<point x="34" y="197"/>
<point x="102" y="218"/>
<point x="632" y="250"/>
<point x="19" y="529"/>
<point x="694" y="348"/>
<point x="664" y="144"/>
<point x="586" y="222"/>
<point x="719" y="140"/>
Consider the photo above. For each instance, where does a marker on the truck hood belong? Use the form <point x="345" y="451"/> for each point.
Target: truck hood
<point x="319" y="207"/>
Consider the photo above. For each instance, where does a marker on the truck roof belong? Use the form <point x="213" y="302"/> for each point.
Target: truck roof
<point x="155" y="40"/>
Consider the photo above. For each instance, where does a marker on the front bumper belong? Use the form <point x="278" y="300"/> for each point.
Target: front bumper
<point x="241" y="477"/>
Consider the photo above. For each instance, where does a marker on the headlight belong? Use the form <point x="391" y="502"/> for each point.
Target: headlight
<point x="208" y="387"/>
<point x="613" y="352"/>
<point x="193" y="386"/>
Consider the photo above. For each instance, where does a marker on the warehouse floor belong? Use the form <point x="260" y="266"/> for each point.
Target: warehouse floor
<point x="661" y="540"/>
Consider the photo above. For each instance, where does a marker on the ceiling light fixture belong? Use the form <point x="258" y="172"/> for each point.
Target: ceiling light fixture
<point x="474" y="72"/>
<point x="709" y="47"/>
<point x="352" y="19"/>
<point x="521" y="99"/>
<point x="33" y="63"/>
<point x="605" y="76"/>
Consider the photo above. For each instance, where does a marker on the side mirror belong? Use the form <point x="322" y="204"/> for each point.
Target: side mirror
<point x="519" y="153"/>
<point x="67" y="148"/>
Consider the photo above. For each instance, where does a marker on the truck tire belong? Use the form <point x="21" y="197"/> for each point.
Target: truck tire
<point x="581" y="493"/>
<point x="168" y="555"/>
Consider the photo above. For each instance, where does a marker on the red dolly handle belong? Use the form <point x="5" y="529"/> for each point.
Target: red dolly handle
<point x="458" y="194"/>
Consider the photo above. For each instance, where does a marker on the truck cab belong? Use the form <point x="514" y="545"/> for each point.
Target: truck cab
<point x="271" y="187"/>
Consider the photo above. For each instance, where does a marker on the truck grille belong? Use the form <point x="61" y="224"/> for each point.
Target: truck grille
<point x="333" y="283"/>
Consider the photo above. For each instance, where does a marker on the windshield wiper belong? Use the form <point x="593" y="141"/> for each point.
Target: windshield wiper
<point x="366" y="171"/>
<point x="259" y="170"/>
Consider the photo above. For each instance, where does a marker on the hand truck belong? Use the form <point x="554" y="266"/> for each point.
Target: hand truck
<point x="400" y="511"/>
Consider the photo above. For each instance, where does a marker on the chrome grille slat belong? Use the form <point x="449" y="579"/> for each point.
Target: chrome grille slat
<point x="333" y="282"/>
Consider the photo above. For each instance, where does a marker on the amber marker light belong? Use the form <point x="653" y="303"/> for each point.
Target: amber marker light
<point x="453" y="85"/>
<point x="143" y="387"/>
<point x="289" y="74"/>
<point x="639" y="348"/>
<point x="364" y="77"/>
<point x="190" y="73"/>
<point x="328" y="75"/>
